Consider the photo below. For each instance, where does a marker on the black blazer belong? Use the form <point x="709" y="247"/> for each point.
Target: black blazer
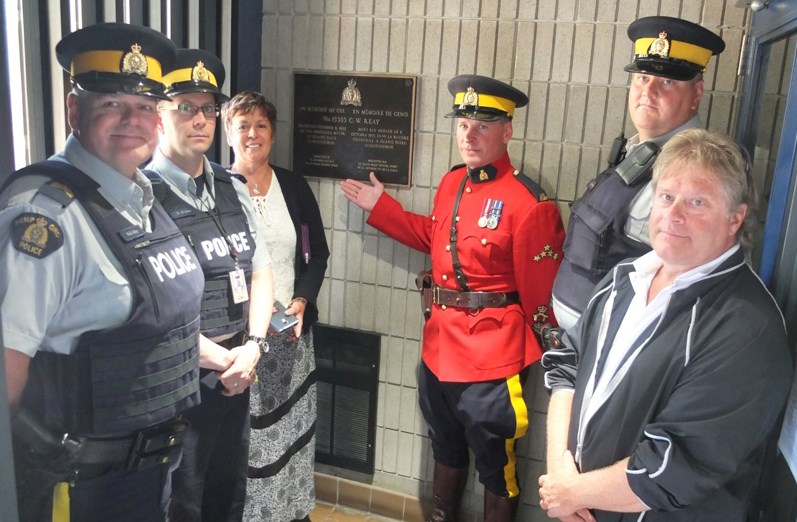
<point x="303" y="208"/>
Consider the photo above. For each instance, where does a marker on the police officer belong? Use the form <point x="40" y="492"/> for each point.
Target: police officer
<point x="610" y="221"/>
<point x="215" y="214"/>
<point x="99" y="296"/>
<point x="495" y="243"/>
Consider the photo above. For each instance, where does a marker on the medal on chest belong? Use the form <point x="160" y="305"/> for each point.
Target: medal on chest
<point x="491" y="213"/>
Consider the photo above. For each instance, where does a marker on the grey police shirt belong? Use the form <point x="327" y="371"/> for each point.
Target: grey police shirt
<point x="47" y="302"/>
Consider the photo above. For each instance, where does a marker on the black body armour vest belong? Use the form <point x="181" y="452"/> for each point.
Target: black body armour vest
<point x="596" y="239"/>
<point x="208" y="232"/>
<point x="146" y="370"/>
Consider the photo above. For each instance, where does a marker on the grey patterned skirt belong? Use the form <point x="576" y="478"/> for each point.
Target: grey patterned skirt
<point x="280" y="487"/>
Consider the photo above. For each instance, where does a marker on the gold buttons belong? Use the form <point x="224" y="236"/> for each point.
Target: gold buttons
<point x="445" y="277"/>
<point x="457" y="220"/>
<point x="443" y="307"/>
<point x="448" y="248"/>
<point x="434" y="218"/>
<point x="468" y="190"/>
<point x="484" y="241"/>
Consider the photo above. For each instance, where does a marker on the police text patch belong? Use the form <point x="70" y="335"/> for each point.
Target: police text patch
<point x="36" y="235"/>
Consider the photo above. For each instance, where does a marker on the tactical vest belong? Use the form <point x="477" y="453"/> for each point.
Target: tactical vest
<point x="596" y="239"/>
<point x="146" y="370"/>
<point x="208" y="232"/>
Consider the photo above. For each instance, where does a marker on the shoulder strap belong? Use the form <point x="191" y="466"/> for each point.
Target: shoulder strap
<point x="221" y="174"/>
<point x="462" y="281"/>
<point x="532" y="186"/>
<point x="637" y="163"/>
<point x="65" y="180"/>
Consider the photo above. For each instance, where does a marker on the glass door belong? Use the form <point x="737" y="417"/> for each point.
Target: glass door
<point x="767" y="126"/>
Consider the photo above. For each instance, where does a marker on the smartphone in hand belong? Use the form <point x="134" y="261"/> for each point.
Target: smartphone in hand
<point x="279" y="321"/>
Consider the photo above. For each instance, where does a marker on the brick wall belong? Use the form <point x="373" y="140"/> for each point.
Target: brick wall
<point x="568" y="55"/>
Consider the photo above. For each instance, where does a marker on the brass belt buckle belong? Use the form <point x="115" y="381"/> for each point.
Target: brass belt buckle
<point x="436" y="294"/>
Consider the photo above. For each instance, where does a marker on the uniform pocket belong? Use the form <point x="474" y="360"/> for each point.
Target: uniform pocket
<point x="589" y="226"/>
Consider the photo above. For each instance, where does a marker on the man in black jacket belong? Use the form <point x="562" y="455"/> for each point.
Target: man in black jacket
<point x="666" y="389"/>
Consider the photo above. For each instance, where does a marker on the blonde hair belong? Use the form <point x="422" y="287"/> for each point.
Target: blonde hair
<point x="720" y="158"/>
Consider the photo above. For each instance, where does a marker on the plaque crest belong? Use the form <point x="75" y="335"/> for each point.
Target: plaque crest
<point x="199" y="73"/>
<point x="351" y="95"/>
<point x="471" y="98"/>
<point x="660" y="46"/>
<point x="134" y="62"/>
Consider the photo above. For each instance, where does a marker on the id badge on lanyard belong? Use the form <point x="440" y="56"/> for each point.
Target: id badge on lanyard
<point x="238" y="284"/>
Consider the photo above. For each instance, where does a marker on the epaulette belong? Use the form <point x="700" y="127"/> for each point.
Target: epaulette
<point x="531" y="185"/>
<point x="160" y="189"/>
<point x="222" y="174"/>
<point x="65" y="180"/>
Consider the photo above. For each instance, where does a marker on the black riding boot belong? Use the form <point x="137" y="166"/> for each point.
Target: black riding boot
<point x="499" y="509"/>
<point x="447" y="488"/>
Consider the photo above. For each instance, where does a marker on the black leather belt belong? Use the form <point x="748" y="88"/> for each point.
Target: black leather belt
<point x="150" y="447"/>
<point x="444" y="296"/>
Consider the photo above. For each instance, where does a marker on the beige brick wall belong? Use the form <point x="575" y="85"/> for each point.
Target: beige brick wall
<point x="568" y="55"/>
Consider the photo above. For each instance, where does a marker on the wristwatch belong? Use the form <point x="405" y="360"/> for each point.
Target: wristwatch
<point x="261" y="342"/>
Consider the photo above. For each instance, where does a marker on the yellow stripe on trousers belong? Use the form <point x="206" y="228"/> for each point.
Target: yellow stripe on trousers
<point x="522" y="423"/>
<point x="61" y="502"/>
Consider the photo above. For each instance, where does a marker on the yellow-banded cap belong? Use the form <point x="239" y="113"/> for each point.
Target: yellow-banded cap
<point x="482" y="98"/>
<point x="671" y="47"/>
<point x="117" y="58"/>
<point x="196" y="70"/>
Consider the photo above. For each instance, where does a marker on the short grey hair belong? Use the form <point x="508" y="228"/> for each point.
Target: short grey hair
<point x="722" y="158"/>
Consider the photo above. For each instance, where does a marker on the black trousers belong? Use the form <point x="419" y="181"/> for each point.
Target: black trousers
<point x="488" y="417"/>
<point x="95" y="494"/>
<point x="210" y="482"/>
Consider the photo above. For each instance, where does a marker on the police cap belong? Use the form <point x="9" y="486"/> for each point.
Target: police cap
<point x="482" y="98"/>
<point x="117" y="58"/>
<point x="671" y="47"/>
<point x="196" y="70"/>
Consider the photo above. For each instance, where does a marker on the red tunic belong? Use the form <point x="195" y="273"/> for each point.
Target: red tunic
<point x="521" y="254"/>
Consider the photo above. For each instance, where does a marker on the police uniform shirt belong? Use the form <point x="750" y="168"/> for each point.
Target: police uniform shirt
<point x="636" y="226"/>
<point x="184" y="186"/>
<point x="48" y="302"/>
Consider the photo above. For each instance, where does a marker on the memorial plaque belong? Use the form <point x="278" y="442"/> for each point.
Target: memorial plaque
<point x="346" y="126"/>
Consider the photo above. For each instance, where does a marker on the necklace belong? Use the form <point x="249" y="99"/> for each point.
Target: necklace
<point x="256" y="189"/>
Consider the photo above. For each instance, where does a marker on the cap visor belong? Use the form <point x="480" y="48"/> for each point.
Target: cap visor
<point x="116" y="84"/>
<point x="663" y="68"/>
<point x="477" y="115"/>
<point x="185" y="88"/>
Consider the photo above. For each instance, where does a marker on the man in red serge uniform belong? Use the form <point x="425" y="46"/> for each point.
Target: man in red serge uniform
<point x="495" y="241"/>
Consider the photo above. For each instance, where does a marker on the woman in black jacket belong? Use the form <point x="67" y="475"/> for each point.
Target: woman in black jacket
<point x="283" y="403"/>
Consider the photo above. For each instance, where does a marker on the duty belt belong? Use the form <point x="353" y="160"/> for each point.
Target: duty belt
<point x="147" y="448"/>
<point x="472" y="300"/>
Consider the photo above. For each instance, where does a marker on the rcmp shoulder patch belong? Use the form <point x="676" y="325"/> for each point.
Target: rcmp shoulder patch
<point x="36" y="235"/>
<point x="531" y="185"/>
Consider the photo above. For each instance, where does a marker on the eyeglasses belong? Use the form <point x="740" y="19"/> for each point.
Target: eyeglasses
<point x="186" y="109"/>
